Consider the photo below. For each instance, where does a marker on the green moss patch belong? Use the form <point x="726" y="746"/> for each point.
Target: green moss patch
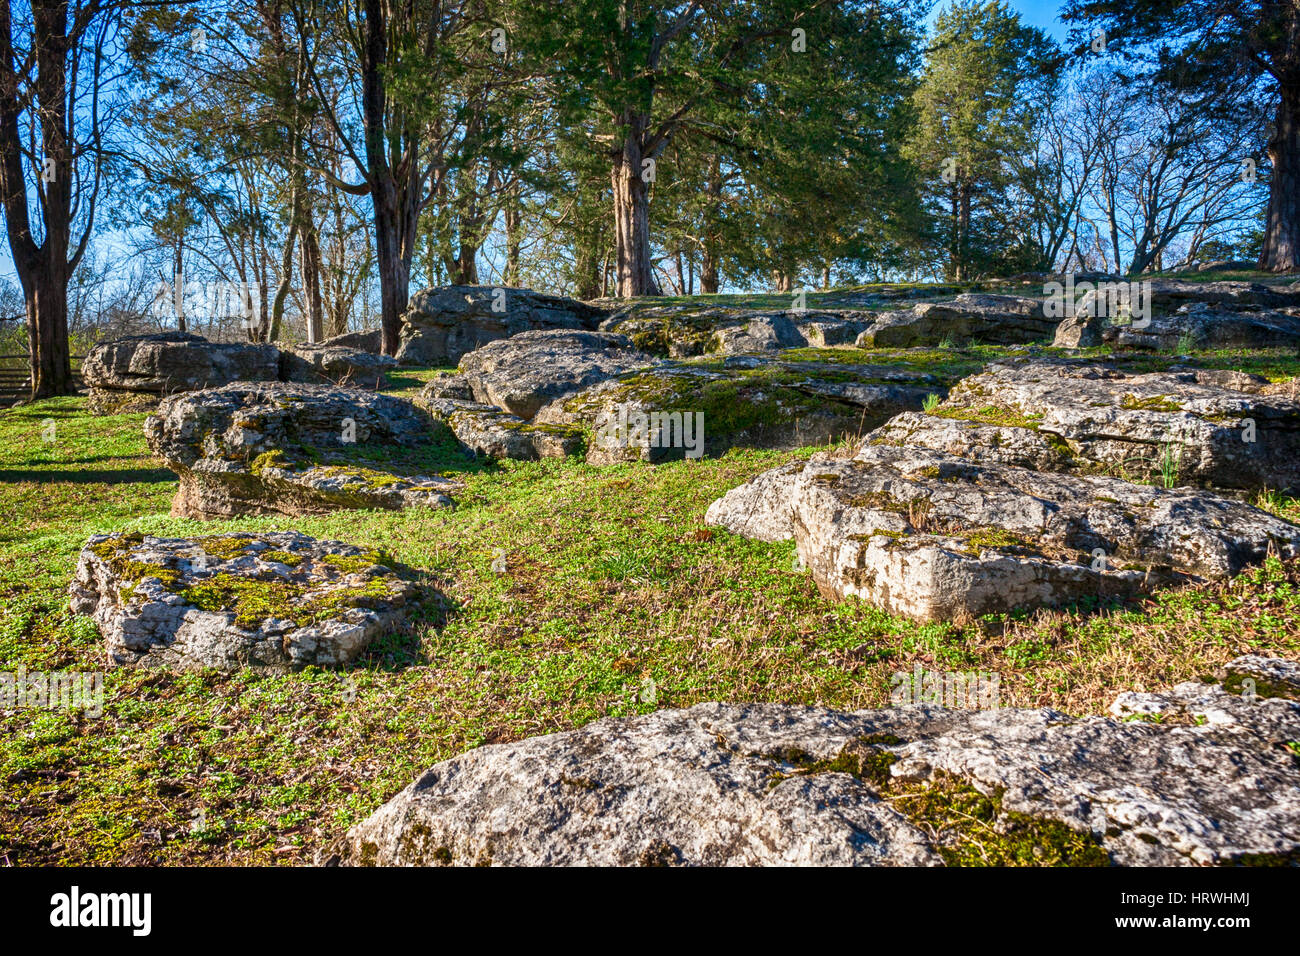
<point x="254" y="601"/>
<point x="971" y="828"/>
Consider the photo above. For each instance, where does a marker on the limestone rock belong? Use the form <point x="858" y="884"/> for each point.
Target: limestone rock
<point x="443" y="324"/>
<point x="931" y="536"/>
<point x="691" y="330"/>
<point x="1169" y="295"/>
<point x="1202" y="326"/>
<point x="1143" y="425"/>
<point x="747" y="401"/>
<point x="761" y="508"/>
<point x="759" y="333"/>
<point x="1226" y="265"/>
<point x="486" y="430"/>
<point x="288" y="448"/>
<point x="337" y="361"/>
<point x="772" y="784"/>
<point x="997" y="319"/>
<point x="130" y="373"/>
<point x="997" y="444"/>
<point x="526" y="371"/>
<point x="275" y="601"/>
<point x="447" y="385"/>
<point x="366" y="340"/>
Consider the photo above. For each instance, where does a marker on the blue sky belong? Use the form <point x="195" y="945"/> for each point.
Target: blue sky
<point x="1039" y="13"/>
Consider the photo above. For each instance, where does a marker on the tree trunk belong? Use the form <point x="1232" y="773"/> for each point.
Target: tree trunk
<point x="465" y="268"/>
<point x="396" y="203"/>
<point x="963" y="243"/>
<point x="178" y="286"/>
<point x="632" y="218"/>
<point x="43" y="270"/>
<point x="268" y="329"/>
<point x="48" y="337"/>
<point x="708" y="269"/>
<point x="954" y="239"/>
<point x="513" y="236"/>
<point x="309" y="258"/>
<point x="1281" y="251"/>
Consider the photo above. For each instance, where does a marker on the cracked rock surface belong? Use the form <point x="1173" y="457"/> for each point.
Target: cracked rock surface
<point x="132" y="373"/>
<point x="745" y="400"/>
<point x="487" y="430"/>
<point x="769" y="784"/>
<point x="444" y="323"/>
<point x="932" y="536"/>
<point x="971" y="317"/>
<point x="257" y="448"/>
<point x="275" y="601"/>
<point x="526" y="371"/>
<point x="1142" y="423"/>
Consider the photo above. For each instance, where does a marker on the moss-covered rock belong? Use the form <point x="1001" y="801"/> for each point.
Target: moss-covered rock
<point x="276" y="601"/>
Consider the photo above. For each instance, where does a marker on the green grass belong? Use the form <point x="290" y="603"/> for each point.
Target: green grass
<point x="610" y="581"/>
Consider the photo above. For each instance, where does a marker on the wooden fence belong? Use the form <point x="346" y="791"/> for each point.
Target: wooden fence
<point x="16" y="377"/>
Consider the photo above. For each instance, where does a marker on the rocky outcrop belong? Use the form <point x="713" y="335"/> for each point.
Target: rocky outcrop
<point x="1177" y="314"/>
<point x="131" y="374"/>
<point x="526" y="371"/>
<point x="826" y="329"/>
<point x="1203" y="326"/>
<point x="343" y="360"/>
<point x="1226" y="265"/>
<point x="931" y="536"/>
<point x="770" y="784"/>
<point x="1169" y="295"/>
<point x="758" y="333"/>
<point x="441" y="325"/>
<point x="486" y="430"/>
<point x="272" y="601"/>
<point x="1178" y="426"/>
<point x="689" y="331"/>
<point x="761" y="507"/>
<point x="288" y="449"/>
<point x="995" y="319"/>
<point x="687" y="409"/>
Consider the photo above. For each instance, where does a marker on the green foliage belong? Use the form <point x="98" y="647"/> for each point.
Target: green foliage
<point x="985" y="77"/>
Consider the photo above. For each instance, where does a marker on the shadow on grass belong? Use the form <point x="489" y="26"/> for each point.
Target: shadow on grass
<point x="400" y="647"/>
<point x="92" y="476"/>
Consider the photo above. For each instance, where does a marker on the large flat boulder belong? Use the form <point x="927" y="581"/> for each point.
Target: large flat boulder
<point x="972" y="317"/>
<point x="705" y="406"/>
<point x="1177" y="427"/>
<point x="1203" y="326"/>
<point x="1169" y="314"/>
<point x="1169" y="295"/>
<point x="526" y="371"/>
<point x="272" y="601"/>
<point x="132" y="373"/>
<point x="443" y="324"/>
<point x="258" y="448"/>
<point x="931" y="536"/>
<point x="771" y="784"/>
